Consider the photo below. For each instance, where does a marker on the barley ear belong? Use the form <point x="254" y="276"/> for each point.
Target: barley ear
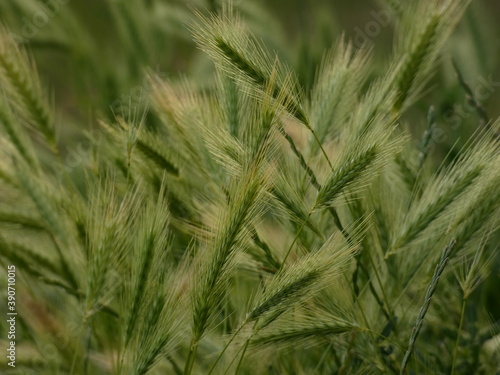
<point x="21" y="79"/>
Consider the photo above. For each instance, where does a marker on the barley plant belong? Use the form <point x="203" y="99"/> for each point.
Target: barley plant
<point x="277" y="208"/>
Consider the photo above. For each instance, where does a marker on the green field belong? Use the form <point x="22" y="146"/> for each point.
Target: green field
<point x="249" y="187"/>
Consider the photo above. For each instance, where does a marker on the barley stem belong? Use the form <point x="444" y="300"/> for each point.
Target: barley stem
<point x="457" y="343"/>
<point x="192" y="356"/>
<point x="254" y="330"/>
<point x="295" y="238"/>
<point x="226" y="346"/>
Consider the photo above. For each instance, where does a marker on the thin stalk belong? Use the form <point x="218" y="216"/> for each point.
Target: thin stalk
<point x="75" y="356"/>
<point x="382" y="289"/>
<point x="457" y="343"/>
<point x="176" y="367"/>
<point x="301" y="158"/>
<point x="387" y="313"/>
<point x="232" y="361"/>
<point x="254" y="330"/>
<point x="87" y="350"/>
<point x="191" y="357"/>
<point x="64" y="264"/>
<point x="362" y="312"/>
<point x="412" y="277"/>
<point x="320" y="145"/>
<point x="309" y="171"/>
<point x="296" y="237"/>
<point x="226" y="346"/>
<point x="323" y="357"/>
<point x="343" y="369"/>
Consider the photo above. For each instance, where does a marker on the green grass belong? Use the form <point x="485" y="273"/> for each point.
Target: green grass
<point x="246" y="217"/>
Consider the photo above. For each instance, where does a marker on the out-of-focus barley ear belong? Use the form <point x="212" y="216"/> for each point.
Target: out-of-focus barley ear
<point x="108" y="242"/>
<point x="132" y="31"/>
<point x="18" y="139"/>
<point x="155" y="156"/>
<point x="183" y="110"/>
<point x="27" y="220"/>
<point x="334" y="95"/>
<point x="23" y="84"/>
<point x="43" y="196"/>
<point x="38" y="192"/>
<point x="473" y="100"/>
<point x="414" y="61"/>
<point x="142" y="140"/>
<point x="420" y="36"/>
<point x="26" y="258"/>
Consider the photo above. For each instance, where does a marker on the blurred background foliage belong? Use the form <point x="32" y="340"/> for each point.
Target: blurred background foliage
<point x="94" y="54"/>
